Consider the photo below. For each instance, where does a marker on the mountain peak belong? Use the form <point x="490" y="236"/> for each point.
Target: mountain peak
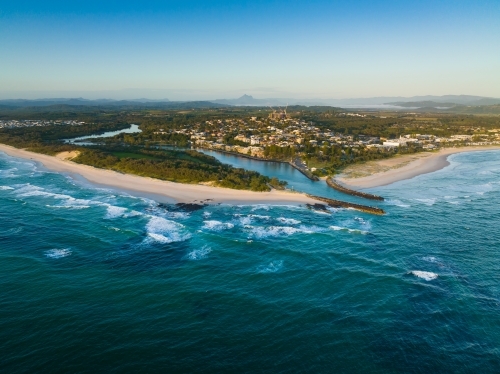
<point x="246" y="97"/>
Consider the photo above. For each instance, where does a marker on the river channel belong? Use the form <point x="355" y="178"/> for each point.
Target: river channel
<point x="81" y="139"/>
<point x="283" y="171"/>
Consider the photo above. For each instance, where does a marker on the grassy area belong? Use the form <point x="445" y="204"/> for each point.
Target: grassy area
<point x="314" y="163"/>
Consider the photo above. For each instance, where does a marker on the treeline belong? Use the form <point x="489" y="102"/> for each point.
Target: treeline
<point x="48" y="139"/>
<point x="179" y="140"/>
<point x="178" y="166"/>
<point x="279" y="153"/>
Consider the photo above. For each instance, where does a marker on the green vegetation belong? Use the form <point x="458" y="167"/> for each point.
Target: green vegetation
<point x="136" y="156"/>
<point x="49" y="139"/>
<point x="177" y="166"/>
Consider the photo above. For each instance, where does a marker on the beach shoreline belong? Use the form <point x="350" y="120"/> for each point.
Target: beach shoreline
<point x="159" y="190"/>
<point x="384" y="172"/>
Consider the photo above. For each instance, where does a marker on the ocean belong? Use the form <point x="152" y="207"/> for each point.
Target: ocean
<point x="95" y="280"/>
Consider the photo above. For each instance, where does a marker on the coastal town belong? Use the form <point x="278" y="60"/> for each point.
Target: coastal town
<point x="312" y="146"/>
<point x="256" y="136"/>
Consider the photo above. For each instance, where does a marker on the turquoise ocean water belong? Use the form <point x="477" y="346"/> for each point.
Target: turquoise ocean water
<point x="92" y="279"/>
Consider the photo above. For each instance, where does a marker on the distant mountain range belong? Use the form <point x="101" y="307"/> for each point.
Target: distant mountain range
<point x="77" y="101"/>
<point x="84" y="105"/>
<point x="448" y="102"/>
<point x="414" y="101"/>
<point x="247" y="100"/>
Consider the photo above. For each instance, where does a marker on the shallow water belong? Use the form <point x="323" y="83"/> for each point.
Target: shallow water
<point x="93" y="279"/>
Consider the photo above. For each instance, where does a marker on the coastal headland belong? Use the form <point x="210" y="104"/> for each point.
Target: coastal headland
<point x="384" y="172"/>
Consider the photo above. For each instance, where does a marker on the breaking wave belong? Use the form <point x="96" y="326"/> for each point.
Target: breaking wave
<point x="164" y="231"/>
<point x="274" y="231"/>
<point x="397" y="203"/>
<point x="427" y="275"/>
<point x="199" y="254"/>
<point x="217" y="225"/>
<point x="58" y="253"/>
<point x="115" y="211"/>
<point x="430" y="259"/>
<point x="288" y="221"/>
<point x="354" y="231"/>
<point x="428" y="202"/>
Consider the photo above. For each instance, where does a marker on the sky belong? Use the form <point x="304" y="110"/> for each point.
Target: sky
<point x="202" y="50"/>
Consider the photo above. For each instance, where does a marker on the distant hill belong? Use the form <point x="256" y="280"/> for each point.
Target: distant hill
<point x="77" y="101"/>
<point x="375" y="103"/>
<point x="451" y="99"/>
<point x="478" y="109"/>
<point x="416" y="101"/>
<point x="473" y="101"/>
<point x="247" y="100"/>
<point x="87" y="105"/>
<point x="422" y="104"/>
<point x="33" y="112"/>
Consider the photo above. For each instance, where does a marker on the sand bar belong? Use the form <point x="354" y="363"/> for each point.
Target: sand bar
<point x="383" y="172"/>
<point x="156" y="189"/>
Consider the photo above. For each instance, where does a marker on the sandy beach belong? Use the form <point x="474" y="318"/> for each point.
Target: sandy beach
<point x="384" y="172"/>
<point x="156" y="189"/>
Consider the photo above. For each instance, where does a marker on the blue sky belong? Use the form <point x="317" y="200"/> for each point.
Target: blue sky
<point x="186" y="50"/>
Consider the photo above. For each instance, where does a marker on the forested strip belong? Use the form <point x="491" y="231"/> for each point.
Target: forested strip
<point x="180" y="166"/>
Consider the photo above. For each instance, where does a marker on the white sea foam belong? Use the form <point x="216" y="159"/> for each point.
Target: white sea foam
<point x="199" y="254"/>
<point x="272" y="267"/>
<point x="365" y="224"/>
<point x="288" y="221"/>
<point x="177" y="215"/>
<point x="354" y="231"/>
<point x="245" y="221"/>
<point x="29" y="190"/>
<point x="164" y="231"/>
<point x="321" y="212"/>
<point x="160" y="238"/>
<point x="8" y="173"/>
<point x="311" y="229"/>
<point x="427" y="275"/>
<point x="397" y="203"/>
<point x="274" y="231"/>
<point x="206" y="214"/>
<point x="260" y="206"/>
<point x="115" y="211"/>
<point x="5" y="188"/>
<point x="68" y="206"/>
<point x="69" y="202"/>
<point x="258" y="216"/>
<point x="429" y="202"/>
<point x="429" y="259"/>
<point x="58" y="253"/>
<point x="217" y="225"/>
